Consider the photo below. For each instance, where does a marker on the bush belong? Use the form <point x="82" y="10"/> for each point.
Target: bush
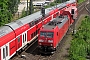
<point x="80" y="45"/>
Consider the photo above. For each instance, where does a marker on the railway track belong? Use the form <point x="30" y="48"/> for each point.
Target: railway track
<point x="31" y="52"/>
<point x="87" y="7"/>
<point x="22" y="54"/>
<point x="84" y="8"/>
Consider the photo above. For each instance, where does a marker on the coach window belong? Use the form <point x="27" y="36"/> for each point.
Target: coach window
<point x="36" y="21"/>
<point x="6" y="50"/>
<point x="36" y="32"/>
<point x="32" y="35"/>
<point x="19" y="39"/>
<point x="23" y="38"/>
<point x="30" y="24"/>
<point x="40" y="19"/>
<point x="33" y="23"/>
<point x="3" y="53"/>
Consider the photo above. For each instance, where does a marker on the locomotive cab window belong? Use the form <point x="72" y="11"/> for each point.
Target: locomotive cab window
<point x="43" y="34"/>
<point x="50" y="34"/>
<point x="46" y="34"/>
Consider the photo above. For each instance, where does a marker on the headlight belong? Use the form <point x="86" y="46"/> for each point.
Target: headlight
<point x="51" y="44"/>
<point x="40" y="44"/>
<point x="50" y="41"/>
<point x="41" y="40"/>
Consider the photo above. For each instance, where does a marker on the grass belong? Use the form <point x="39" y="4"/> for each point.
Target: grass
<point x="80" y="1"/>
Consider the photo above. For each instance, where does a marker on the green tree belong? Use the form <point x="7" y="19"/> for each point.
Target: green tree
<point x="31" y="8"/>
<point x="13" y="5"/>
<point x="80" y="45"/>
<point x="5" y="15"/>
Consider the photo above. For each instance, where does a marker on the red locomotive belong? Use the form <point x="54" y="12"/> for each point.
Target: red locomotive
<point x="16" y="35"/>
<point x="52" y="33"/>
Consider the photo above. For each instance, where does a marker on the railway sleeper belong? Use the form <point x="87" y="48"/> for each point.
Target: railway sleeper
<point x="46" y="49"/>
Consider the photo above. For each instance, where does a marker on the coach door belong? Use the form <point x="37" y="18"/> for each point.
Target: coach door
<point x="5" y="52"/>
<point x="24" y="39"/>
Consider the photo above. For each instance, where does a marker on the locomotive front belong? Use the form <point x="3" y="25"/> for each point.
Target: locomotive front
<point x="46" y="41"/>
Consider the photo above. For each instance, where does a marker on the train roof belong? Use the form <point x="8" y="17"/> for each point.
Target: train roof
<point x="59" y="6"/>
<point x="5" y="30"/>
<point x="18" y="23"/>
<point x="25" y="20"/>
<point x="59" y="21"/>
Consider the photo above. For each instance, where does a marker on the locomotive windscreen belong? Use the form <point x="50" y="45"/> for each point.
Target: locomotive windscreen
<point x="42" y="34"/>
<point x="46" y="34"/>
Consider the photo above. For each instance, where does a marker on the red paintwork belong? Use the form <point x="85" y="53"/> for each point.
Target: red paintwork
<point x="56" y="14"/>
<point x="57" y="36"/>
<point x="32" y="30"/>
<point x="22" y="29"/>
<point x="39" y="25"/>
<point x="42" y="38"/>
<point x="47" y="20"/>
<point x="73" y="4"/>
<point x="12" y="47"/>
<point x="0" y="53"/>
<point x="7" y="38"/>
<point x="18" y="44"/>
<point x="52" y="12"/>
<point x="68" y="5"/>
<point x="61" y="31"/>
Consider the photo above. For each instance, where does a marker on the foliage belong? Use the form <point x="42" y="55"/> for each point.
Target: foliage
<point x="31" y="8"/>
<point x="80" y="1"/>
<point x="60" y="1"/>
<point x="77" y="49"/>
<point x="7" y="8"/>
<point x="13" y="5"/>
<point x="5" y="16"/>
<point x="80" y="45"/>
<point x="24" y="13"/>
<point x="51" y="4"/>
<point x="55" y="3"/>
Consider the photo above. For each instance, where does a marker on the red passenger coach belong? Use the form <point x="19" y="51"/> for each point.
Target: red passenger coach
<point x="52" y="33"/>
<point x="6" y="36"/>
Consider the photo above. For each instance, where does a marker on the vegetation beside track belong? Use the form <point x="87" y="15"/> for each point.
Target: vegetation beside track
<point x="80" y="1"/>
<point x="80" y="45"/>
